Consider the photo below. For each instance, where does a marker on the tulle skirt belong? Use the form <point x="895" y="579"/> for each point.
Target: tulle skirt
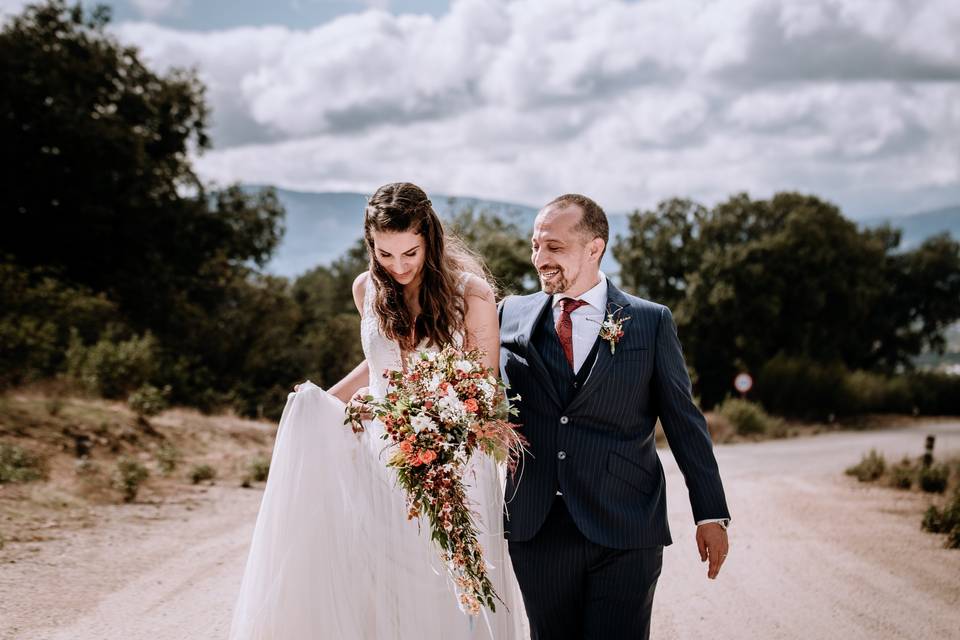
<point x="334" y="556"/>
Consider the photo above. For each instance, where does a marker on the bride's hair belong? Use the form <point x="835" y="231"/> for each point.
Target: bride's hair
<point x="400" y="207"/>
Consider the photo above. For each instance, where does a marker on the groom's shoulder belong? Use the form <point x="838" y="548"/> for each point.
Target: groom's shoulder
<point x="517" y="301"/>
<point x="645" y="308"/>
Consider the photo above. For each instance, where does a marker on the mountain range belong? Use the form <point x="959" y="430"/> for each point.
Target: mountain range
<point x="320" y="226"/>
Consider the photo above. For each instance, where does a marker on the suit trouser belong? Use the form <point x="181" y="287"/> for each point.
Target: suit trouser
<point x="575" y="589"/>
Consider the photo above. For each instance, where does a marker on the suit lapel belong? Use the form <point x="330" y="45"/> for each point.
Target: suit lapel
<point x="532" y="315"/>
<point x="615" y="298"/>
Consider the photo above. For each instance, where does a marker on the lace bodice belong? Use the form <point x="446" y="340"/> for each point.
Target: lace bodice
<point x="381" y="352"/>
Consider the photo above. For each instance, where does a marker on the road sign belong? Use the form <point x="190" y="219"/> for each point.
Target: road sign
<point x="743" y="383"/>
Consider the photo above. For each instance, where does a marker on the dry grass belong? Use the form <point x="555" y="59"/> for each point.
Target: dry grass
<point x="81" y="440"/>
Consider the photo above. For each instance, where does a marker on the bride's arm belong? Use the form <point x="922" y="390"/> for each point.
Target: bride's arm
<point x="481" y="322"/>
<point x="357" y="379"/>
<point x="353" y="382"/>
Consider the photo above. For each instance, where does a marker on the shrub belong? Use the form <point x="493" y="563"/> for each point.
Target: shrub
<point x="112" y="366"/>
<point x="902" y="474"/>
<point x="20" y="465"/>
<point x="148" y="400"/>
<point x="750" y="419"/>
<point x="935" y="393"/>
<point x="802" y="388"/>
<point x="168" y="457"/>
<point x="202" y="472"/>
<point x="259" y="469"/>
<point x="933" y="479"/>
<point x="128" y="477"/>
<point x="875" y="393"/>
<point x="945" y="521"/>
<point x="870" y="467"/>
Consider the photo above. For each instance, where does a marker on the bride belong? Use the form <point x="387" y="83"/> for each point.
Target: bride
<point x="333" y="554"/>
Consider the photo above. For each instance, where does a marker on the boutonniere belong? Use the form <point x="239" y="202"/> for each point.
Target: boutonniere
<point x="611" y="329"/>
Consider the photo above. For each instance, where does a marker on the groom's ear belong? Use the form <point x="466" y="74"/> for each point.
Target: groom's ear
<point x="596" y="247"/>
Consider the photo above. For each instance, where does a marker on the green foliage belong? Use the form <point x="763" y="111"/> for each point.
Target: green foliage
<point x="20" y="465"/>
<point x="168" y="457"/>
<point x="945" y="521"/>
<point x="503" y="246"/>
<point x="870" y="467"/>
<point x="37" y="313"/>
<point x="750" y="419"/>
<point x="903" y="474"/>
<point x="749" y="280"/>
<point x="935" y="393"/>
<point x="113" y="365"/>
<point x="128" y="476"/>
<point x="259" y="469"/>
<point x="148" y="400"/>
<point x="202" y="472"/>
<point x="933" y="479"/>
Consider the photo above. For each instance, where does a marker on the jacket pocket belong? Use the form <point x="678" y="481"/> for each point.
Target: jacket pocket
<point x="630" y="472"/>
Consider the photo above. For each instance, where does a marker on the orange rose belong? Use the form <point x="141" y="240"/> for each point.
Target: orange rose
<point x="470" y="404"/>
<point x="427" y="456"/>
<point x="406" y="446"/>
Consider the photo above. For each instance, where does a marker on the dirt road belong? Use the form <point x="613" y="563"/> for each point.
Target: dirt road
<point x="814" y="555"/>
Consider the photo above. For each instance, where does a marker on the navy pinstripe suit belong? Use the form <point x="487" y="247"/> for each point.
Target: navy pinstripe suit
<point x="588" y="563"/>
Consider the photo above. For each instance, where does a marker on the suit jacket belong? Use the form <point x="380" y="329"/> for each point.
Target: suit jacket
<point x="596" y="445"/>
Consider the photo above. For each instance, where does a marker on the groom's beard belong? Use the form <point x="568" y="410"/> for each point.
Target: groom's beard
<point x="556" y="284"/>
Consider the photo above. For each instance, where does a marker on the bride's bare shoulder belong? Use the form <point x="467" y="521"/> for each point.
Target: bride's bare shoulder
<point x="476" y="287"/>
<point x="360" y="289"/>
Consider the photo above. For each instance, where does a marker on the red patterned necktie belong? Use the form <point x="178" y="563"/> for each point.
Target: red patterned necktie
<point x="565" y="325"/>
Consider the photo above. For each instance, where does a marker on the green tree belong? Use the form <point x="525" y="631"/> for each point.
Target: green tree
<point x="749" y="280"/>
<point x="503" y="246"/>
<point x="99" y="182"/>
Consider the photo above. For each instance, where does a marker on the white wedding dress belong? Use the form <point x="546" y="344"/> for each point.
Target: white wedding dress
<point x="333" y="554"/>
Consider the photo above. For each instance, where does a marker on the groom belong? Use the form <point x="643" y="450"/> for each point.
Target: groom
<point x="587" y="511"/>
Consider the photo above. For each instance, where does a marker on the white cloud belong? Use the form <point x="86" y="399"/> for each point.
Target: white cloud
<point x="854" y="99"/>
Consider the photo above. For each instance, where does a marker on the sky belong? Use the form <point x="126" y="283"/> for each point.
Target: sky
<point x="630" y="102"/>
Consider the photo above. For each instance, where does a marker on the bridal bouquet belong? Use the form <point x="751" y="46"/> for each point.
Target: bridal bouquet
<point x="439" y="412"/>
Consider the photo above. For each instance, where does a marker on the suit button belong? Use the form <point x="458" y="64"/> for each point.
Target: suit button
<point x="561" y="455"/>
<point x="564" y="420"/>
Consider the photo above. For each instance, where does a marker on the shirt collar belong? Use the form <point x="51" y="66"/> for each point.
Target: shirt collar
<point x="595" y="297"/>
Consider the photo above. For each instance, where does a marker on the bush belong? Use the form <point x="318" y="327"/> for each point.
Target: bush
<point x="945" y="521"/>
<point x="935" y="394"/>
<point x="37" y="312"/>
<point x="874" y="393"/>
<point x="870" y="467"/>
<point x="168" y="457"/>
<point x="112" y="366"/>
<point x="259" y="469"/>
<point x="750" y="419"/>
<point x="20" y="465"/>
<point x="902" y="474"/>
<point x="202" y="472"/>
<point x="933" y="479"/>
<point x="148" y="400"/>
<point x="128" y="477"/>
<point x="802" y="388"/>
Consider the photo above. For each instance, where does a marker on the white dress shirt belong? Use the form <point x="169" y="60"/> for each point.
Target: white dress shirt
<point x="586" y="327"/>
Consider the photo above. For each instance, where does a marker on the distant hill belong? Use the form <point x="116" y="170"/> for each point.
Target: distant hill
<point x="320" y="226"/>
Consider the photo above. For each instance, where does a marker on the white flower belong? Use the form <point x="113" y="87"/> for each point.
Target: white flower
<point x="434" y="383"/>
<point x="463" y="365"/>
<point x="421" y="422"/>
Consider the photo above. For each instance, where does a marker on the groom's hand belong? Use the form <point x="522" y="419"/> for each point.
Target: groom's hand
<point x="713" y="546"/>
